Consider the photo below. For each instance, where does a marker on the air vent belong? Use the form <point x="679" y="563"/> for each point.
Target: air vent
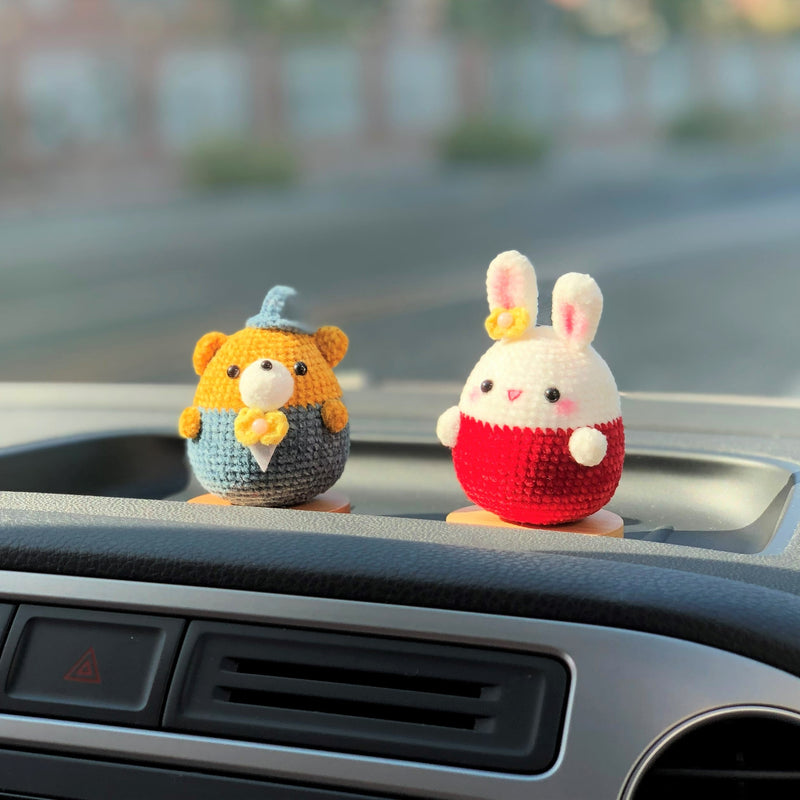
<point x="472" y="707"/>
<point x="747" y="757"/>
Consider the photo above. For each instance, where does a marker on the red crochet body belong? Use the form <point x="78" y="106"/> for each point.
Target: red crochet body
<point x="528" y="476"/>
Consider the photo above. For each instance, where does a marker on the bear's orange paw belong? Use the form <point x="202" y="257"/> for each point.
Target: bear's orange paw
<point x="334" y="415"/>
<point x="189" y="423"/>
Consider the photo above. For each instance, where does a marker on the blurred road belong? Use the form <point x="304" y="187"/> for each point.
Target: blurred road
<point x="698" y="262"/>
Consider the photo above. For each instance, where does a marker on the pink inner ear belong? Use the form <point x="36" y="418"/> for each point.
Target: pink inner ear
<point x="575" y="324"/>
<point x="569" y="319"/>
<point x="503" y="289"/>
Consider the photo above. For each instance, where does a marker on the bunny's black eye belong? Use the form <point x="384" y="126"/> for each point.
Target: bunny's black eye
<point x="487" y="386"/>
<point x="233" y="371"/>
<point x="300" y="368"/>
<point x="266" y="364"/>
<point x="552" y="395"/>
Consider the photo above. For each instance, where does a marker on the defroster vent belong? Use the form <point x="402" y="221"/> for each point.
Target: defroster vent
<point x="423" y="701"/>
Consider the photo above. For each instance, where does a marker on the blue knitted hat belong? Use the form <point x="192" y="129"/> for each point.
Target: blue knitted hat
<point x="271" y="314"/>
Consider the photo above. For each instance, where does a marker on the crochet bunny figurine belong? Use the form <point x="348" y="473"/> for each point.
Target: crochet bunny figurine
<point x="537" y="436"/>
<point x="268" y="426"/>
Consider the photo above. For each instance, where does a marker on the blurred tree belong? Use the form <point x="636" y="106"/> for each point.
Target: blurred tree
<point x="306" y="16"/>
<point x="770" y="16"/>
<point x="484" y="140"/>
<point x="229" y="162"/>
<point x="517" y="18"/>
<point x="678" y="15"/>
<point x="500" y="19"/>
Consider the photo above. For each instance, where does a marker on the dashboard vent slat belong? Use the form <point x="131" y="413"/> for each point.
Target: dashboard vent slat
<point x="727" y="775"/>
<point x="357" y="677"/>
<point x="425" y="701"/>
<point x="351" y="708"/>
<point x="286" y="693"/>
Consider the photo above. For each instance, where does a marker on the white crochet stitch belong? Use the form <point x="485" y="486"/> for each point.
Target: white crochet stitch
<point x="540" y="377"/>
<point x="266" y="385"/>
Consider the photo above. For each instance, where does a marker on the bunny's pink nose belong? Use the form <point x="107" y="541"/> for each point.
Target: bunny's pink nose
<point x="513" y="394"/>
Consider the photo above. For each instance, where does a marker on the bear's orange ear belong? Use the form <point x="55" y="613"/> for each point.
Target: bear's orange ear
<point x="205" y="349"/>
<point x="332" y="343"/>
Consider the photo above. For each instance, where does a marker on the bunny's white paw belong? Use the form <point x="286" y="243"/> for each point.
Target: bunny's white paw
<point x="587" y="446"/>
<point x="448" y="425"/>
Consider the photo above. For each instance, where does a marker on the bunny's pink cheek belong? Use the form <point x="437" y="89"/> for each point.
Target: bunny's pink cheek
<point x="475" y="394"/>
<point x="564" y="407"/>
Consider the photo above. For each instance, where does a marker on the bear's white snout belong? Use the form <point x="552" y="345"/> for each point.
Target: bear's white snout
<point x="266" y="384"/>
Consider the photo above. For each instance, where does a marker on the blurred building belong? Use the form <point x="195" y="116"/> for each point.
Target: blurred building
<point x="123" y="87"/>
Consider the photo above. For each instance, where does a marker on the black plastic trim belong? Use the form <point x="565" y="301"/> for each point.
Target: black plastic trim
<point x="128" y="657"/>
<point x="39" y="775"/>
<point x="394" y="698"/>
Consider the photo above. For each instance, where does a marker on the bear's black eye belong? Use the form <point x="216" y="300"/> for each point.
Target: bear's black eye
<point x="300" y="368"/>
<point x="487" y="386"/>
<point x="233" y="371"/>
<point x="266" y="364"/>
<point x="552" y="395"/>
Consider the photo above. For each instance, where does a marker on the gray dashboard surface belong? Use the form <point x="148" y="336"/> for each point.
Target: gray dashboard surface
<point x="748" y="603"/>
<point x="97" y="519"/>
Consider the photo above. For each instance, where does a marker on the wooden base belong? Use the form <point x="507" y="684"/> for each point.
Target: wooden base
<point x="331" y="501"/>
<point x="601" y="523"/>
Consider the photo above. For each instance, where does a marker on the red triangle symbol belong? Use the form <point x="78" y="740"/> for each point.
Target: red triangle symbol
<point x="85" y="669"/>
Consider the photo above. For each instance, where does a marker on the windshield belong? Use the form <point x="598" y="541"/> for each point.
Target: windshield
<point x="165" y="162"/>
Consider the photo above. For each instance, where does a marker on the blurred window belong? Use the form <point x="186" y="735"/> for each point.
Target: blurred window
<point x="670" y="81"/>
<point x="522" y="86"/>
<point x="75" y="98"/>
<point x="737" y="73"/>
<point x="422" y="85"/>
<point x="322" y="90"/>
<point x="600" y="90"/>
<point x="203" y="95"/>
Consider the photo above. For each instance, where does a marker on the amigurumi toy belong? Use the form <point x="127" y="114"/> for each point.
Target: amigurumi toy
<point x="268" y="426"/>
<point x="537" y="436"/>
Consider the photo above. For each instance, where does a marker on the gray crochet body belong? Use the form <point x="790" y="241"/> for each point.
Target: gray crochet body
<point x="306" y="463"/>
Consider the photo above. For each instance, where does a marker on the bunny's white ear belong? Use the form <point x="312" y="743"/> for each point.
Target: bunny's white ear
<point x="513" y="295"/>
<point x="577" y="306"/>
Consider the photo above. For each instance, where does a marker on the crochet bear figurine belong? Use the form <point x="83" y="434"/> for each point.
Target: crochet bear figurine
<point x="537" y="436"/>
<point x="268" y="426"/>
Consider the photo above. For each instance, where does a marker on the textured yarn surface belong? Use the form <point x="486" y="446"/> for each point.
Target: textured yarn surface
<point x="528" y="367"/>
<point x="268" y="385"/>
<point x="528" y="394"/>
<point x="528" y="475"/>
<point x="308" y="461"/>
<point x="271" y="316"/>
<point x="218" y="390"/>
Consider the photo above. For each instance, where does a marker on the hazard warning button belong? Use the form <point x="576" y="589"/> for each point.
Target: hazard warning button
<point x="85" y="669"/>
<point x="88" y="664"/>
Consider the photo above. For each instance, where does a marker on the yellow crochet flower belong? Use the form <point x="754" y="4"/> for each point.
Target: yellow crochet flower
<point x="507" y="323"/>
<point x="254" y="426"/>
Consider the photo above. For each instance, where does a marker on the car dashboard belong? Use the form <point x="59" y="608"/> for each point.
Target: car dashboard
<point x="161" y="648"/>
